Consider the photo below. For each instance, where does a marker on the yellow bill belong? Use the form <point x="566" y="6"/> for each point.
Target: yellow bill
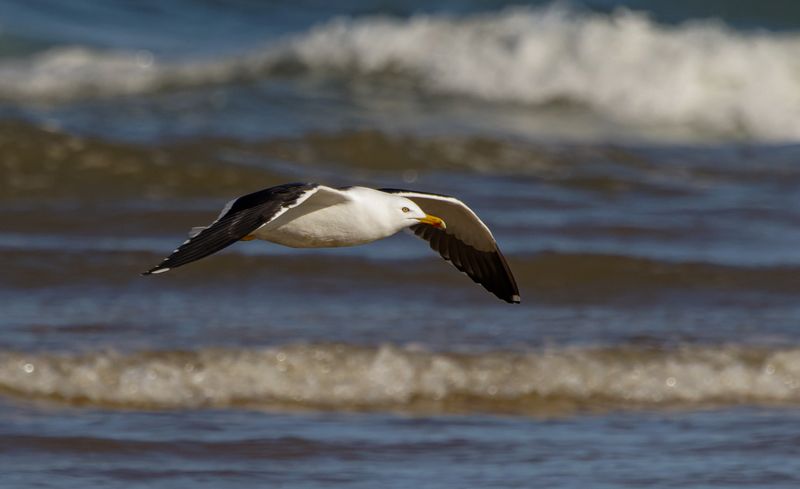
<point x="433" y="221"/>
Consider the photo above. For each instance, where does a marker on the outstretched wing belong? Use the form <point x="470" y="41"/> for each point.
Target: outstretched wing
<point x="466" y="243"/>
<point x="239" y="218"/>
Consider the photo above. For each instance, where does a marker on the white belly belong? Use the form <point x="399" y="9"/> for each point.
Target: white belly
<point x="326" y="227"/>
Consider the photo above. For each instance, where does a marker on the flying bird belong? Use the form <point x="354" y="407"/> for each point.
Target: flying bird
<point x="310" y="215"/>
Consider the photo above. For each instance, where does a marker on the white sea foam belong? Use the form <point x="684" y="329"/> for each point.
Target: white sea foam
<point x="345" y="377"/>
<point x="66" y="73"/>
<point x="624" y="67"/>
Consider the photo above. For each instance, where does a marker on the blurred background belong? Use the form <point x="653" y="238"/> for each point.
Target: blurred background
<point x="636" y="160"/>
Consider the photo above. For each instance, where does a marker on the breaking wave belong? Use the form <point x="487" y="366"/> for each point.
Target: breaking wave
<point x="623" y="66"/>
<point x="344" y="377"/>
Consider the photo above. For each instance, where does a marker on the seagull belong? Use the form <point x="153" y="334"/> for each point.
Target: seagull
<point x="310" y="215"/>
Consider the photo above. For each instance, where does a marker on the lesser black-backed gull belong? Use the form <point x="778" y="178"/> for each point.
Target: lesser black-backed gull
<point x="309" y="215"/>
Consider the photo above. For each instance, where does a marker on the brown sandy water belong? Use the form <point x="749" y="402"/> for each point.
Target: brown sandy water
<point x="659" y="303"/>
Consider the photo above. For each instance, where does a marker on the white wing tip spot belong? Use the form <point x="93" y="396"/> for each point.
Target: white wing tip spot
<point x="197" y="230"/>
<point x="160" y="270"/>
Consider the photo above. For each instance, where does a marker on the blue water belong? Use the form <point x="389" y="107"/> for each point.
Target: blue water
<point x="735" y="449"/>
<point x="250" y="69"/>
<point x="635" y="160"/>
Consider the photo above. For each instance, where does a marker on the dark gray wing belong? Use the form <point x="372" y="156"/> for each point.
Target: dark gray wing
<point x="467" y="242"/>
<point x="239" y="218"/>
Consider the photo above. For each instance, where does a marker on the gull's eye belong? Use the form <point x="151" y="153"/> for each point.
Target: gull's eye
<point x="405" y="209"/>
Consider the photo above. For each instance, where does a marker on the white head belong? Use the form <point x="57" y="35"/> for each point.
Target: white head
<point x="400" y="212"/>
<point x="413" y="214"/>
<point x="381" y="214"/>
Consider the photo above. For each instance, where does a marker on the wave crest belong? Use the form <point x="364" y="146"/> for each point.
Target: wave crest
<point x="342" y="377"/>
<point x="623" y="66"/>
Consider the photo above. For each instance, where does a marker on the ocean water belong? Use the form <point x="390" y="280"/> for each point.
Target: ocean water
<point x="636" y="161"/>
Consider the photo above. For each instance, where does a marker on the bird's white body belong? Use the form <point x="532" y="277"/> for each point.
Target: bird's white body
<point x="329" y="221"/>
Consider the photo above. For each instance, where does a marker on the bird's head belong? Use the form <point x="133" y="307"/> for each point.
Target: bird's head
<point x="412" y="214"/>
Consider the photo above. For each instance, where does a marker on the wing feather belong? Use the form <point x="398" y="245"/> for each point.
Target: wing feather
<point x="239" y="218"/>
<point x="467" y="242"/>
